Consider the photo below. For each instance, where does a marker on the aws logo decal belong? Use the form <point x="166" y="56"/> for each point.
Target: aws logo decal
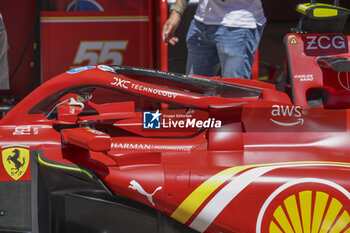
<point x="286" y="115"/>
<point x="324" y="209"/>
<point x="15" y="159"/>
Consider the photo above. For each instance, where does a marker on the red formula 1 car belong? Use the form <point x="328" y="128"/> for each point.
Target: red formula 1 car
<point x="124" y="149"/>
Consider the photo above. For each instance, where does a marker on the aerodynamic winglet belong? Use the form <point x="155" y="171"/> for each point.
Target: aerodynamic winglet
<point x="227" y="114"/>
<point x="90" y="139"/>
<point x="340" y="64"/>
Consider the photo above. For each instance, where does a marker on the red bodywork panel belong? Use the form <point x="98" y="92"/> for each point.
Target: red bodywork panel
<point x="248" y="159"/>
<point x="306" y="74"/>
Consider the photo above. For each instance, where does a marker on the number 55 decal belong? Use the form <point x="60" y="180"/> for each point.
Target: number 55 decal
<point x="100" y="52"/>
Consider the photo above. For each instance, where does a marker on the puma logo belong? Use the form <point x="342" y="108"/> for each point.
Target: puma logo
<point x="136" y="186"/>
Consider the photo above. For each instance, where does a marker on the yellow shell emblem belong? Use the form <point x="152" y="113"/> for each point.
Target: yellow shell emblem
<point x="308" y="213"/>
<point x="15" y="161"/>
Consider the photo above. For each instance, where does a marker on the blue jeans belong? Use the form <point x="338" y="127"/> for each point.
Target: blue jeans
<point x="211" y="47"/>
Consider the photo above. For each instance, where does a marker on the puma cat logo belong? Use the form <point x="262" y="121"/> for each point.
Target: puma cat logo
<point x="136" y="186"/>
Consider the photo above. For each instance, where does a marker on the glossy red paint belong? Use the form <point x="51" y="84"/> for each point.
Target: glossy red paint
<point x="214" y="179"/>
<point x="304" y="50"/>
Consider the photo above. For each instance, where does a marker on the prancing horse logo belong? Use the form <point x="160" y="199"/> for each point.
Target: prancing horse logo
<point x="136" y="186"/>
<point x="15" y="161"/>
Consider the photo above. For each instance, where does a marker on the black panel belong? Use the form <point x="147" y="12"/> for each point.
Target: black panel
<point x="94" y="213"/>
<point x="15" y="207"/>
<point x="97" y="212"/>
<point x="71" y="202"/>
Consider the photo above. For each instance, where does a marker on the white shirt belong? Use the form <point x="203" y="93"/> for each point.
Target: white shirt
<point x="231" y="13"/>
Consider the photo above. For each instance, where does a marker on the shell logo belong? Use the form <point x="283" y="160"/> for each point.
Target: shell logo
<point x="310" y="212"/>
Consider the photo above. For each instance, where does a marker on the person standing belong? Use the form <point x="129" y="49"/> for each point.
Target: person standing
<point x="224" y="34"/>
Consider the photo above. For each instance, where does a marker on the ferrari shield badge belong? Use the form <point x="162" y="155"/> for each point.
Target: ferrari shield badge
<point x="15" y="160"/>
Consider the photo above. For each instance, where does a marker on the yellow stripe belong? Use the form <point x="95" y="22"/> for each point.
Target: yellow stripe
<point x="302" y="8"/>
<point x="320" y="9"/>
<point x="332" y="212"/>
<point x="341" y="223"/>
<point x="64" y="167"/>
<point x="325" y="12"/>
<point x="191" y="204"/>
<point x="198" y="196"/>
<point x="305" y="198"/>
<point x="281" y="218"/>
<point x="274" y="228"/>
<point x="293" y="212"/>
<point x="320" y="205"/>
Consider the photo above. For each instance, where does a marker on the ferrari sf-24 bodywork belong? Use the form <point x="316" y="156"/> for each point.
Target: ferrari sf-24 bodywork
<point x="217" y="155"/>
<point x="124" y="149"/>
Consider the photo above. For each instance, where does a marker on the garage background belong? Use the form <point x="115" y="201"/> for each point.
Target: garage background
<point x="22" y="22"/>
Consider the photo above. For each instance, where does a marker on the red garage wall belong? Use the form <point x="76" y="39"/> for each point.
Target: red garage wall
<point x="19" y="16"/>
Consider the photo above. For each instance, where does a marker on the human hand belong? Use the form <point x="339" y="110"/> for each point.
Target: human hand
<point x="169" y="28"/>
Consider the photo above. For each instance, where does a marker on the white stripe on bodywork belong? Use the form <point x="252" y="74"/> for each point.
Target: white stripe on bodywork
<point x="215" y="206"/>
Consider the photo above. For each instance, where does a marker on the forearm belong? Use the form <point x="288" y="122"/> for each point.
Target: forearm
<point x="179" y="7"/>
<point x="182" y="3"/>
<point x="170" y="26"/>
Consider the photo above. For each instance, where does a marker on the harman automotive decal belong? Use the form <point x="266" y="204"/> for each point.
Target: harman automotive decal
<point x="15" y="159"/>
<point x="155" y="147"/>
